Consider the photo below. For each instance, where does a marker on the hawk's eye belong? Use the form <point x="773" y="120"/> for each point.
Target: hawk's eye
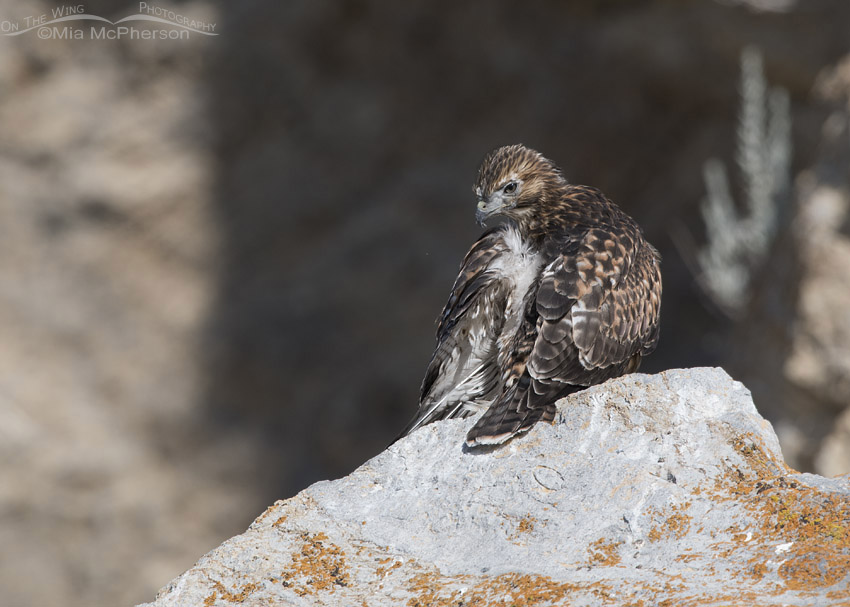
<point x="510" y="188"/>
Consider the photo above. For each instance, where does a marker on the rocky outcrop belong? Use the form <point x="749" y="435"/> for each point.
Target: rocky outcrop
<point x="646" y="489"/>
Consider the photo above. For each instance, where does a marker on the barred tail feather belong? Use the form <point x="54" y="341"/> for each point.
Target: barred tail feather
<point x="515" y="412"/>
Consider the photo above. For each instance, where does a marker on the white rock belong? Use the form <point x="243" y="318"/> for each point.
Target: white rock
<point x="646" y="488"/>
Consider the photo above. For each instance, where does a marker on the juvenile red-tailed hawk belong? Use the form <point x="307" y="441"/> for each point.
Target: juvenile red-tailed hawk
<point x="566" y="293"/>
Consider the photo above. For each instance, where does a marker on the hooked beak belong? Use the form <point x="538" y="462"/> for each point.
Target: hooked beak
<point x="487" y="207"/>
<point x="481" y="215"/>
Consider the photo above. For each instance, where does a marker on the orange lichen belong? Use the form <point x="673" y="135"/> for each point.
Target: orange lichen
<point x="676" y="525"/>
<point x="810" y="569"/>
<point x="382" y="570"/>
<point x="839" y="594"/>
<point x="526" y="525"/>
<point x="318" y="566"/>
<point x="514" y="589"/>
<point x="267" y="512"/>
<point x="603" y="552"/>
<point x="814" y="525"/>
<point x="232" y="597"/>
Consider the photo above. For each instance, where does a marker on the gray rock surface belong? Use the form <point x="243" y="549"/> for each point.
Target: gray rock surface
<point x="648" y="488"/>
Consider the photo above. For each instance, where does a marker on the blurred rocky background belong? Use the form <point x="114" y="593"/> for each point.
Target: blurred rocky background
<point x="221" y="258"/>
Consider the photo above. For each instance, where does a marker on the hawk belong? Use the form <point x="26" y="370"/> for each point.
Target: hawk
<point x="564" y="294"/>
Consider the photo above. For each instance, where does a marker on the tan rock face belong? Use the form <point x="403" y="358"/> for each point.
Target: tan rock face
<point x="819" y="360"/>
<point x="107" y="251"/>
<point x="834" y="455"/>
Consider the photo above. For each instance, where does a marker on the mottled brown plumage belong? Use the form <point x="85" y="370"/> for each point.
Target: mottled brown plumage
<point x="566" y="293"/>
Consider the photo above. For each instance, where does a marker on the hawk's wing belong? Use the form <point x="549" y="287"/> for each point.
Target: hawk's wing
<point x="597" y="311"/>
<point x="463" y="371"/>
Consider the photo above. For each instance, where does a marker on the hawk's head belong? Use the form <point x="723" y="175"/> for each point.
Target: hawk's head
<point x="512" y="181"/>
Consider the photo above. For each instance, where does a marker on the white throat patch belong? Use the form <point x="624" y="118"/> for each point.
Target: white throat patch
<point x="520" y="264"/>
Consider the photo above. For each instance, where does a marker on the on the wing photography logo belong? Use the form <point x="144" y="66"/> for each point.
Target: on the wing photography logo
<point x="71" y="22"/>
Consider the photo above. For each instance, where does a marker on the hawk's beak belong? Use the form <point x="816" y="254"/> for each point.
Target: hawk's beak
<point x="486" y="208"/>
<point x="481" y="214"/>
